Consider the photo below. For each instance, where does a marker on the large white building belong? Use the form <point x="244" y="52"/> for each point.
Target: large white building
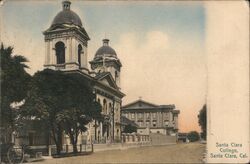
<point x="152" y="118"/>
<point x="66" y="49"/>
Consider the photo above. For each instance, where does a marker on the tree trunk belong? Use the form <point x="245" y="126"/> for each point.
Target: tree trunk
<point x="73" y="137"/>
<point x="57" y="140"/>
<point x="58" y="149"/>
<point x="95" y="130"/>
<point x="75" y="148"/>
<point x="73" y="142"/>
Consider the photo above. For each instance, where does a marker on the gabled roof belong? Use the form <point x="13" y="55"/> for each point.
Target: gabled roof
<point x="95" y="81"/>
<point x="100" y="75"/>
<point x="141" y="104"/>
<point x="107" y="79"/>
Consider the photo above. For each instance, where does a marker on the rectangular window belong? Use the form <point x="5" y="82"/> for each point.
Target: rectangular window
<point x="166" y="122"/>
<point x="166" y="115"/>
<point x="147" y="123"/>
<point x="147" y="115"/>
<point x="132" y="115"/>
<point x="140" y="115"/>
<point x="154" y="123"/>
<point x="140" y="123"/>
<point x="154" y="115"/>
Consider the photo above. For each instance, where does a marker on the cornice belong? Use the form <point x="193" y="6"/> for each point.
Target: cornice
<point x="66" y="33"/>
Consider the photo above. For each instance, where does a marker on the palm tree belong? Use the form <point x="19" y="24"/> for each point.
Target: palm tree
<point x="14" y="82"/>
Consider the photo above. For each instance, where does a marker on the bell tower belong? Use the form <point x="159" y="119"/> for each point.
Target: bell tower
<point x="66" y="42"/>
<point x="106" y="60"/>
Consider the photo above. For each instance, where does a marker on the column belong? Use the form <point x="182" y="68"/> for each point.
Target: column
<point x="67" y="50"/>
<point x="70" y="50"/>
<point x="52" y="52"/>
<point x="144" y="119"/>
<point x="46" y="52"/>
<point x="101" y="137"/>
<point x="84" y="57"/>
<point x="151" y="119"/>
<point x="74" y="50"/>
<point x="158" y="119"/>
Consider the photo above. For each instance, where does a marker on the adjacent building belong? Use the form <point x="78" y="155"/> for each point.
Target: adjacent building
<point x="152" y="118"/>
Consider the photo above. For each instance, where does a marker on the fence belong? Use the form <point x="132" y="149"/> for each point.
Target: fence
<point x="51" y="149"/>
<point x="129" y="140"/>
<point x="134" y="138"/>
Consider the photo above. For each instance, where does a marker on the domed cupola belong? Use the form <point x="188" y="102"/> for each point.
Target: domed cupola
<point x="67" y="16"/>
<point x="106" y="60"/>
<point x="105" y="50"/>
<point x="67" y="19"/>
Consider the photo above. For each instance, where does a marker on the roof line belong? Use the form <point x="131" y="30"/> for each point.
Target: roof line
<point x="108" y="74"/>
<point x="139" y="101"/>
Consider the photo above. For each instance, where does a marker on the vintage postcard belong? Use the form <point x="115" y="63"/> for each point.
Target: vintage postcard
<point x="124" y="81"/>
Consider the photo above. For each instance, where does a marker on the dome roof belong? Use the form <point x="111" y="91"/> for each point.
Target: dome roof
<point x="105" y="49"/>
<point x="67" y="16"/>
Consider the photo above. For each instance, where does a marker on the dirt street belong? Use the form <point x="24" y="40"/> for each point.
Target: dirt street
<point x="179" y="153"/>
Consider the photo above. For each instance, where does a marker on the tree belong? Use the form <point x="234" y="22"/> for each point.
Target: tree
<point x="96" y="114"/>
<point x="14" y="86"/>
<point x="44" y="102"/>
<point x="193" y="136"/>
<point x="130" y="128"/>
<point x="79" y="109"/>
<point x="203" y="121"/>
<point x="64" y="101"/>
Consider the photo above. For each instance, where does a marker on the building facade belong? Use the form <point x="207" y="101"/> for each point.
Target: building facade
<point x="152" y="118"/>
<point x="66" y="49"/>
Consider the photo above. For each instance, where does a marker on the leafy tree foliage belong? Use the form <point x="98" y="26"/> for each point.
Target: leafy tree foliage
<point x="14" y="83"/>
<point x="79" y="109"/>
<point x="203" y="121"/>
<point x="64" y="101"/>
<point x="193" y="136"/>
<point x="43" y="101"/>
<point x="130" y="129"/>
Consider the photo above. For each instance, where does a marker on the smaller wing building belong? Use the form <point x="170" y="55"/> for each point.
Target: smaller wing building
<point x="152" y="118"/>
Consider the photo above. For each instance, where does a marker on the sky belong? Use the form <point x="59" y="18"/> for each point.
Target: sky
<point x="160" y="45"/>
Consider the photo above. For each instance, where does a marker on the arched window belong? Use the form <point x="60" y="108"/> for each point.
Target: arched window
<point x="60" y="53"/>
<point x="117" y="132"/>
<point x="110" y="107"/>
<point x="79" y="54"/>
<point x="104" y="106"/>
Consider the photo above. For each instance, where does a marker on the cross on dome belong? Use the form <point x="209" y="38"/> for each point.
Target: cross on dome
<point x="105" y="42"/>
<point x="66" y="5"/>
